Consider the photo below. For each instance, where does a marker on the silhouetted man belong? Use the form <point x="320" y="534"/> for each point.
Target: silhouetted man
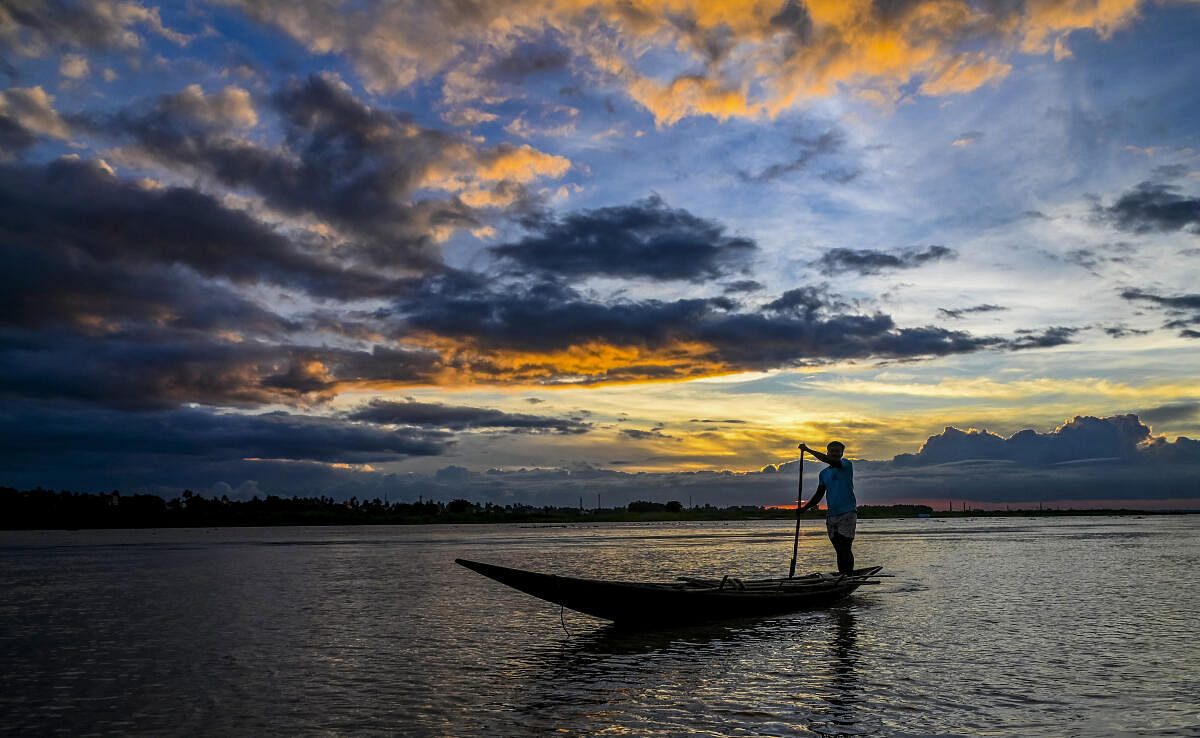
<point x="841" y="511"/>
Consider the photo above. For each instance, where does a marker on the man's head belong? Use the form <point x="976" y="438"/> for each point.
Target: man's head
<point x="835" y="449"/>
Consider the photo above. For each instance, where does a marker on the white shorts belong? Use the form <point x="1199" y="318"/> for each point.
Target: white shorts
<point x="843" y="524"/>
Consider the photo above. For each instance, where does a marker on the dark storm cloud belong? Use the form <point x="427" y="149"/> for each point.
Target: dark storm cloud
<point x="528" y="58"/>
<point x="1182" y="450"/>
<point x="14" y="137"/>
<point x="1122" y="331"/>
<point x="893" y="11"/>
<point x="143" y="370"/>
<point x="37" y="26"/>
<point x="358" y="166"/>
<point x="871" y="261"/>
<point x="48" y="283"/>
<point x="645" y="239"/>
<point x="27" y="115"/>
<point x="155" y="368"/>
<point x="70" y="210"/>
<point x="546" y="316"/>
<point x="118" y="295"/>
<point x="1153" y="206"/>
<point x="99" y="440"/>
<point x="1182" y="324"/>
<point x="808" y="149"/>
<point x="459" y="417"/>
<point x="1093" y="259"/>
<point x="743" y="285"/>
<point x="646" y="435"/>
<point x="1085" y="437"/>
<point x="347" y="163"/>
<point x="794" y="17"/>
<point x="1046" y="338"/>
<point x="38" y="291"/>
<point x="960" y="312"/>
<point x="1099" y="483"/>
<point x="1168" y="172"/>
<point x="1184" y="310"/>
<point x="1171" y="413"/>
<point x="802" y="326"/>
<point x="713" y="43"/>
<point x="1179" y="302"/>
<point x="379" y="365"/>
<point x="806" y="301"/>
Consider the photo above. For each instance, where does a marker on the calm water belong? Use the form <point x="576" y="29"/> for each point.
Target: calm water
<point x="1080" y="626"/>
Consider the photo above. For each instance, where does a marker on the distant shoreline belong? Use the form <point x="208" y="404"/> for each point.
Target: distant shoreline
<point x="40" y="509"/>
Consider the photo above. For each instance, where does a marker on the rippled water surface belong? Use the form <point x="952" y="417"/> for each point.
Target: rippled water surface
<point x="1066" y="626"/>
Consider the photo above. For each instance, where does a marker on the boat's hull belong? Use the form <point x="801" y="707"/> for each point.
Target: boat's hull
<point x="690" y="601"/>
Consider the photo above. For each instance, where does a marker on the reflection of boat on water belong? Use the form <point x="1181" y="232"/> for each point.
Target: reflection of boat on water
<point x="689" y="599"/>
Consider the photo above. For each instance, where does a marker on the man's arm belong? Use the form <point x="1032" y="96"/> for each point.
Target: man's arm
<point x="822" y="456"/>
<point x="816" y="498"/>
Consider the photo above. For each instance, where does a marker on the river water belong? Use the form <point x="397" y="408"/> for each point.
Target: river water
<point x="1020" y="626"/>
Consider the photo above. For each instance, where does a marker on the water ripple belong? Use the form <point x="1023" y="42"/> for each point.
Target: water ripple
<point x="1021" y="627"/>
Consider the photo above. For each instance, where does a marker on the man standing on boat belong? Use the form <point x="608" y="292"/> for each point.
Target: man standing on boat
<point x="841" y="512"/>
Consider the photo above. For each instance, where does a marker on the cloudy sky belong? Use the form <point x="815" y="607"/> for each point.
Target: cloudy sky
<point x="536" y="251"/>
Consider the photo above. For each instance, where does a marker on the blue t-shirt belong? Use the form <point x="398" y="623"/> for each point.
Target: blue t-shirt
<point x="839" y="488"/>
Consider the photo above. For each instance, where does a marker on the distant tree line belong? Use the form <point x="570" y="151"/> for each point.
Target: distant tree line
<point x="46" y="509"/>
<point x="41" y="509"/>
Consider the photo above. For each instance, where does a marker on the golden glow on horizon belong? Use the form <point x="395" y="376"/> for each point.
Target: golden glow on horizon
<point x="986" y="388"/>
<point x="723" y="424"/>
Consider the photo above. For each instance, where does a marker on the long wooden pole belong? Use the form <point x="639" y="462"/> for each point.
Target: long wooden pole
<point x="799" y="498"/>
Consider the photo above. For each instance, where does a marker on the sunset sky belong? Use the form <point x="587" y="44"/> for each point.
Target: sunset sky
<point x="539" y="251"/>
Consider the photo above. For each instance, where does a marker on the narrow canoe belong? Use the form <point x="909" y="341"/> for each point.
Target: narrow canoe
<point x="687" y="600"/>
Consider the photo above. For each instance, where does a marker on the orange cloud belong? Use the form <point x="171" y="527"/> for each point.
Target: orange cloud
<point x="492" y="178"/>
<point x="751" y="57"/>
<point x="692" y="95"/>
<point x="724" y="58"/>
<point x="521" y="164"/>
<point x="1048" y="21"/>
<point x="964" y="73"/>
<point x="588" y="363"/>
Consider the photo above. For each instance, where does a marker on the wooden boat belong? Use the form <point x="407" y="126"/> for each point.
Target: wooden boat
<point x="689" y="599"/>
